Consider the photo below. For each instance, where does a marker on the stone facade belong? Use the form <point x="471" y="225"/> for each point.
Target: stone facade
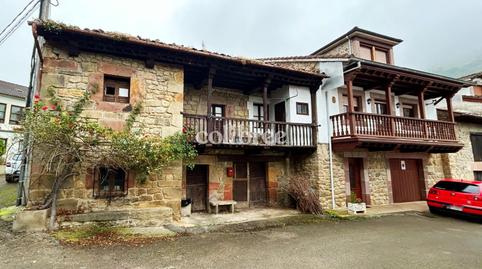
<point x="159" y="89"/>
<point x="236" y="103"/>
<point x="342" y="50"/>
<point x="461" y="164"/>
<point x="300" y="65"/>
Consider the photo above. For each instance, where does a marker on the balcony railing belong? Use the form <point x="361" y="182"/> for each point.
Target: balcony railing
<point x="246" y="132"/>
<point x="384" y="126"/>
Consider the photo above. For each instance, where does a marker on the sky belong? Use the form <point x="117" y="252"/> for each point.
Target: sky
<point x="440" y="36"/>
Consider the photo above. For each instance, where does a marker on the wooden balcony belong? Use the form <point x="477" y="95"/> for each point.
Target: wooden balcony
<point x="383" y="132"/>
<point x="245" y="133"/>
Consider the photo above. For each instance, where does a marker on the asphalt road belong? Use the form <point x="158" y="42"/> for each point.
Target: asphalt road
<point x="405" y="241"/>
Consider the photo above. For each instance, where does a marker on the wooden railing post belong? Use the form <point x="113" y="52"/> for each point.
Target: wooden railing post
<point x="351" y="108"/>
<point x="314" y="116"/>
<point x="209" y="113"/>
<point x="390" y="108"/>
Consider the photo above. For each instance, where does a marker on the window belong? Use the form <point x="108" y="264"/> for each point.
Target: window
<point x="409" y="110"/>
<point x="110" y="182"/>
<point x="217" y="110"/>
<point x="374" y="53"/>
<point x="302" y="108"/>
<point x="116" y="89"/>
<point x="16" y="113"/>
<point x="457" y="187"/>
<point x="381" y="107"/>
<point x="356" y="103"/>
<point x="258" y="112"/>
<point x="476" y="141"/>
<point x="478" y="175"/>
<point x="3" y="108"/>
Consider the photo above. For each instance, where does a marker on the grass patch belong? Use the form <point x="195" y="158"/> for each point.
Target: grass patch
<point x="105" y="235"/>
<point x="8" y="213"/>
<point x="8" y="195"/>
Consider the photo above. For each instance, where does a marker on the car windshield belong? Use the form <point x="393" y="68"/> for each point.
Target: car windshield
<point x="458" y="187"/>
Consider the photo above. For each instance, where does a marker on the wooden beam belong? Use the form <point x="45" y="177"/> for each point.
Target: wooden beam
<point x="449" y="108"/>
<point x="211" y="74"/>
<point x="265" y="98"/>
<point x="351" y="108"/>
<point x="421" y="104"/>
<point x="314" y="115"/>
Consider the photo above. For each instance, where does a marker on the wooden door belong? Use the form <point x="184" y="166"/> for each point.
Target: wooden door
<point x="355" y="170"/>
<point x="240" y="182"/>
<point x="407" y="180"/>
<point x="257" y="183"/>
<point x="197" y="186"/>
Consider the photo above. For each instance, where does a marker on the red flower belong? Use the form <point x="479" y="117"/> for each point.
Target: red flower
<point x="184" y="130"/>
<point x="35" y="102"/>
<point x="37" y="96"/>
<point x="54" y="107"/>
<point x="45" y="108"/>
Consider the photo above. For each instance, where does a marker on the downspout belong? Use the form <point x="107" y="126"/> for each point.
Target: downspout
<point x="330" y="154"/>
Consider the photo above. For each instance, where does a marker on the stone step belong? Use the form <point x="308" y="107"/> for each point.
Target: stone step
<point x="142" y="217"/>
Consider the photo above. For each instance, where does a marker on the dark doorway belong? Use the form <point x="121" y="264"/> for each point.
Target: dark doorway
<point x="249" y="183"/>
<point x="257" y="183"/>
<point x="197" y="186"/>
<point x="240" y="182"/>
<point x="407" y="180"/>
<point x="280" y="116"/>
<point x="355" y="170"/>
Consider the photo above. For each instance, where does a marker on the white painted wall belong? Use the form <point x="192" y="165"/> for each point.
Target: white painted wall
<point x="6" y="129"/>
<point x="327" y="98"/>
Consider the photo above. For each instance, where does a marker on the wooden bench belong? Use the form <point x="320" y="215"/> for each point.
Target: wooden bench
<point x="216" y="204"/>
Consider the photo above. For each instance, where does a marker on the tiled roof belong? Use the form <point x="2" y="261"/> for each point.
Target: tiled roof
<point x="12" y="89"/>
<point x="52" y="26"/>
<point x="472" y="76"/>
<point x="302" y="57"/>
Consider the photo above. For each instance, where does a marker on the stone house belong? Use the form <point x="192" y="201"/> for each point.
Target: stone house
<point x="388" y="144"/>
<point x="467" y="106"/>
<point x="181" y="87"/>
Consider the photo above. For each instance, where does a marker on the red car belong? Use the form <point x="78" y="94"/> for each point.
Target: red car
<point x="457" y="195"/>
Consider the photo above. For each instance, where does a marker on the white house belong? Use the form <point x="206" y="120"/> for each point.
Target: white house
<point x="12" y="103"/>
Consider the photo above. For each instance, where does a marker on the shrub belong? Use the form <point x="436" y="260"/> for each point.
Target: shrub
<point x="300" y="189"/>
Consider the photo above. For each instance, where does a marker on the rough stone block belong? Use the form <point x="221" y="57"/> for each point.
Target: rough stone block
<point x="31" y="221"/>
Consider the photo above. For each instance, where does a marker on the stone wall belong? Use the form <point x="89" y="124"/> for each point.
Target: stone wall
<point x="461" y="164"/>
<point x="299" y="65"/>
<point x="378" y="180"/>
<point x="195" y="101"/>
<point x="342" y="50"/>
<point x="159" y="89"/>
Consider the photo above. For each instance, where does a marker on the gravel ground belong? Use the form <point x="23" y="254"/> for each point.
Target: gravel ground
<point x="403" y="241"/>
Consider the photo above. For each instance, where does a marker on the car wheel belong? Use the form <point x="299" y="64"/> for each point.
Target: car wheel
<point x="434" y="210"/>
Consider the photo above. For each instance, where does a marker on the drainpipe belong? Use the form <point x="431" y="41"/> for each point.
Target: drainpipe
<point x="330" y="154"/>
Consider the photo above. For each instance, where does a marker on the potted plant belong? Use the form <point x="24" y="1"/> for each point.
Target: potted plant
<point x="356" y="205"/>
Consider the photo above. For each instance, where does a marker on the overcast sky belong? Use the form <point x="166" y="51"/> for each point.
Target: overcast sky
<point x="442" y="36"/>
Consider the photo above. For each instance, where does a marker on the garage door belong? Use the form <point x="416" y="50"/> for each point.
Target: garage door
<point x="407" y="180"/>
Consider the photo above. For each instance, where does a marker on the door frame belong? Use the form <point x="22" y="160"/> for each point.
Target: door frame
<point x="248" y="202"/>
<point x="423" y="157"/>
<point x="365" y="188"/>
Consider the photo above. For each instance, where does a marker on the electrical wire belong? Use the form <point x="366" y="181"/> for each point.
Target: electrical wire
<point x="11" y="29"/>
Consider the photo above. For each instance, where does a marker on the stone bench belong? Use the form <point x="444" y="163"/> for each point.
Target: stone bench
<point x="216" y="204"/>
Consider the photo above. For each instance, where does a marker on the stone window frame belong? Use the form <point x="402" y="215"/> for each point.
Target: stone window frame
<point x="96" y="187"/>
<point x="116" y="82"/>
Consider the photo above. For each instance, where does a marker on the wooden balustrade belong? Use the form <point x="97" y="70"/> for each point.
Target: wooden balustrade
<point x="367" y="124"/>
<point x="234" y="131"/>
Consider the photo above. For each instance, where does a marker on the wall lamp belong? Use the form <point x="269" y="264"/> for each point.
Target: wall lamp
<point x="369" y="100"/>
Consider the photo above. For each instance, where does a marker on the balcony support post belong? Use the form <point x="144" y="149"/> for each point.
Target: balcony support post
<point x="314" y="115"/>
<point x="351" y="108"/>
<point x="449" y="108"/>
<point x="209" y="113"/>
<point x="266" y="83"/>
<point x="390" y="108"/>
